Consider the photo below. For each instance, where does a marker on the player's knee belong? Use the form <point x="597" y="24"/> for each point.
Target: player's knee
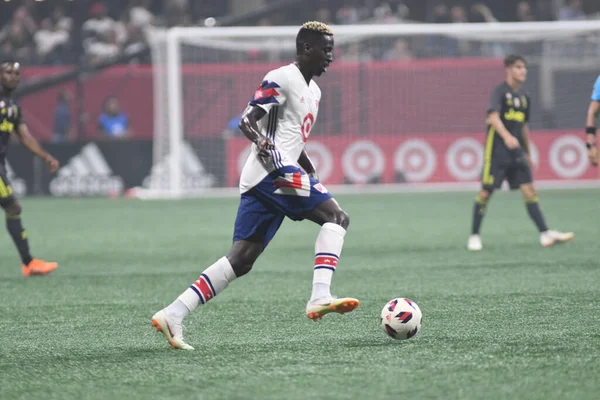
<point x="12" y="208"/>
<point x="339" y="217"/>
<point x="240" y="268"/>
<point x="528" y="191"/>
<point x="530" y="194"/>
<point x="240" y="263"/>
<point x="344" y="219"/>
<point x="485" y="194"/>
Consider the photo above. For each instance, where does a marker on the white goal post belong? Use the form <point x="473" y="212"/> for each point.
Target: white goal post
<point x="203" y="77"/>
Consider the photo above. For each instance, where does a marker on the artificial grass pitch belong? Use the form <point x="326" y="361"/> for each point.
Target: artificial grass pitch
<point x="514" y="321"/>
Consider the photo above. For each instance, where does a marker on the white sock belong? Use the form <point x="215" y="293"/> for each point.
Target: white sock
<point x="177" y="310"/>
<point x="213" y="281"/>
<point x="328" y="249"/>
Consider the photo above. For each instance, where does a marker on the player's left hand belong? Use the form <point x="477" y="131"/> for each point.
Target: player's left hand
<point x="593" y="155"/>
<point x="530" y="161"/>
<point x="264" y="145"/>
<point x="52" y="163"/>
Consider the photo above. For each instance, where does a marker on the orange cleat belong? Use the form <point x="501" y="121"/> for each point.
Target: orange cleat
<point x="38" y="267"/>
<point x="315" y="310"/>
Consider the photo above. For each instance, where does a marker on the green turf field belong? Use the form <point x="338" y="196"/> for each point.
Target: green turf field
<point x="513" y="322"/>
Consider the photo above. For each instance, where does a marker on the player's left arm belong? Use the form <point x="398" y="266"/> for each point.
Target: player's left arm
<point x="590" y="124"/>
<point x="307" y="165"/>
<point x="525" y="132"/>
<point x="590" y="131"/>
<point x="29" y="141"/>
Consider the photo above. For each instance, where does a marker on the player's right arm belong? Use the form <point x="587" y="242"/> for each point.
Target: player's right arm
<point x="590" y="124"/>
<point x="510" y="141"/>
<point x="22" y="132"/>
<point x="249" y="127"/>
<point x="494" y="109"/>
<point x="271" y="93"/>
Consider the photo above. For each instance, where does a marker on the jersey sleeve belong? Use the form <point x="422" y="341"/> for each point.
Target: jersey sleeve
<point x="496" y="100"/>
<point x="19" y="119"/>
<point x="596" y="91"/>
<point x="272" y="91"/>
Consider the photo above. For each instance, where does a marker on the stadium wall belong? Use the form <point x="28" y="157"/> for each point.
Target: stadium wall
<point x="434" y="96"/>
<point x="426" y="158"/>
<point x="376" y="163"/>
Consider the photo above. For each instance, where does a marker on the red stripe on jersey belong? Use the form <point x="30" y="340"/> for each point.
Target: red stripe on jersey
<point x="204" y="289"/>
<point x="328" y="261"/>
<point x="262" y="93"/>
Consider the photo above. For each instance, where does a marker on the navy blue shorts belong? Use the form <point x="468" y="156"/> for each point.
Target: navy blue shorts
<point x="286" y="192"/>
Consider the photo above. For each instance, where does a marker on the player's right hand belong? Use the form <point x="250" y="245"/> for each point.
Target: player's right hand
<point x="512" y="142"/>
<point x="52" y="163"/>
<point x="264" y="145"/>
<point x="593" y="155"/>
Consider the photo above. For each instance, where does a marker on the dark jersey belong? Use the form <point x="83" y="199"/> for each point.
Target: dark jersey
<point x="513" y="107"/>
<point x="10" y="119"/>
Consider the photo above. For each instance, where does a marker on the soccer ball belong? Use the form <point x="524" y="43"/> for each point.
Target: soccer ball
<point x="401" y="318"/>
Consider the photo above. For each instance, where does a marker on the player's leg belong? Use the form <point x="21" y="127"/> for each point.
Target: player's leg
<point x="255" y="226"/>
<point x="328" y="247"/>
<point x="12" y="211"/>
<point x="547" y="237"/>
<point x="214" y="279"/>
<point x="521" y="176"/>
<point x="479" y="208"/>
<point x="533" y="206"/>
<point x="491" y="178"/>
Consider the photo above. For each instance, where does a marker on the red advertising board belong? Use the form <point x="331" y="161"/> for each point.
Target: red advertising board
<point x="557" y="155"/>
<point x="380" y="97"/>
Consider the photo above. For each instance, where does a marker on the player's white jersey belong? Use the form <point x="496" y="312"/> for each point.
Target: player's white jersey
<point x="292" y="107"/>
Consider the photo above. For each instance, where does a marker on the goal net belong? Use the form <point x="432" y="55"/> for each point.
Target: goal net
<point x="403" y="105"/>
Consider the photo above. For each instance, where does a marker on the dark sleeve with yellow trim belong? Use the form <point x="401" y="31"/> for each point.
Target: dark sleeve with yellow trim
<point x="496" y="100"/>
<point x="19" y="117"/>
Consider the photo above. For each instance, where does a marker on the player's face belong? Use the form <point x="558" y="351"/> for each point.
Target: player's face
<point x="321" y="55"/>
<point x="518" y="71"/>
<point x="11" y="75"/>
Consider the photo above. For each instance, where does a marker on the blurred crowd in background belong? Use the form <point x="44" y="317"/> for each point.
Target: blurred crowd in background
<point x="63" y="32"/>
<point x="92" y="35"/>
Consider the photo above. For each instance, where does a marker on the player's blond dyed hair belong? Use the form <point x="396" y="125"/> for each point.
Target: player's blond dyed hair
<point x="316" y="26"/>
<point x="309" y="32"/>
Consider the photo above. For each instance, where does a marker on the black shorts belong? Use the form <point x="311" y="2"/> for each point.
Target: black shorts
<point x="6" y="190"/>
<point x="513" y="167"/>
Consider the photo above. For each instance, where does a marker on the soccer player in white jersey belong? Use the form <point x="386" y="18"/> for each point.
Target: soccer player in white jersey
<point x="278" y="181"/>
<point x="590" y="129"/>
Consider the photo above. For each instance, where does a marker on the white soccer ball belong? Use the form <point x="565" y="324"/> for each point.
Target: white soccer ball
<point x="401" y="318"/>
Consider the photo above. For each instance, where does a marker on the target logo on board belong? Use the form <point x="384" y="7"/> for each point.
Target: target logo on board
<point x="415" y="159"/>
<point x="568" y="157"/>
<point x="464" y="159"/>
<point x="363" y="160"/>
<point x="322" y="159"/>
